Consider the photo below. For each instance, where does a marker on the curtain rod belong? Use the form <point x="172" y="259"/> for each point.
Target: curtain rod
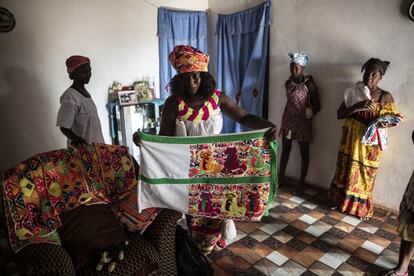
<point x="155" y="6"/>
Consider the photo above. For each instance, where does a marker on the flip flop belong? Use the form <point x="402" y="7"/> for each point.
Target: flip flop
<point x="396" y="274"/>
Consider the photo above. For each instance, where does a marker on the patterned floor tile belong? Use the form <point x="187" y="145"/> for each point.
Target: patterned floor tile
<point x="321" y="269"/>
<point x="246" y="253"/>
<point x="308" y="256"/>
<point x="292" y="230"/>
<point x="351" y="220"/>
<point x="373" y="247"/>
<point x="337" y="232"/>
<point x="379" y="240"/>
<point x="336" y="215"/>
<point x="277" y="258"/>
<point x="230" y="264"/>
<point x="290" y="204"/>
<point x="359" y="263"/>
<point x="318" y="228"/>
<point x="308" y="273"/>
<point x="247" y="272"/>
<point x="308" y="219"/>
<point x="248" y="227"/>
<point x="282" y="236"/>
<point x="309" y="205"/>
<point x="366" y="255"/>
<point x="290" y="217"/>
<point x="300" y="225"/>
<point x="345" y="227"/>
<point x="262" y="250"/>
<point x="330" y="239"/>
<point x="329" y="220"/>
<point x="218" y="271"/>
<point x="280" y="209"/>
<point x="392" y="220"/>
<point x="389" y="228"/>
<point x="216" y="255"/>
<point x="395" y="247"/>
<point x="330" y="260"/>
<point x="351" y="243"/>
<point x="271" y="228"/>
<point x="367" y="227"/>
<point x="387" y="260"/>
<point x="259" y="235"/>
<point x="248" y="242"/>
<point x="297" y="199"/>
<point x="310" y="192"/>
<point x="291" y="268"/>
<point x="385" y="234"/>
<point x="267" y="267"/>
<point x="302" y="209"/>
<point x="306" y="238"/>
<point x="321" y="245"/>
<point x="268" y="219"/>
<point x="375" y="222"/>
<point x="348" y="270"/>
<point x="316" y="214"/>
<point x="361" y="234"/>
<point x="272" y="243"/>
<point x="297" y="244"/>
<point x="288" y="251"/>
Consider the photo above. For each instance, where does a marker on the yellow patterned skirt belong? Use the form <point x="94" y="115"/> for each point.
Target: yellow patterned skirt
<point x="406" y="216"/>
<point x="356" y="168"/>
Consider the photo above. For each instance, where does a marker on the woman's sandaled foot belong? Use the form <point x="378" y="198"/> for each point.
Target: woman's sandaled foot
<point x="395" y="272"/>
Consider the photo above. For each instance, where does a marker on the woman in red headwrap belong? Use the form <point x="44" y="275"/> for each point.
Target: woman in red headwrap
<point x="195" y="108"/>
<point x="78" y="117"/>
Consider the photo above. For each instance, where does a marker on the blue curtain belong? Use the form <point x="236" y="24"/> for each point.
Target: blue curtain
<point x="242" y="52"/>
<point x="178" y="28"/>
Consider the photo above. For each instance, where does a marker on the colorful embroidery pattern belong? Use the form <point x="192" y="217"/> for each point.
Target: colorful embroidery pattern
<point x="186" y="113"/>
<point x="241" y="158"/>
<point x="241" y="202"/>
<point x="38" y="190"/>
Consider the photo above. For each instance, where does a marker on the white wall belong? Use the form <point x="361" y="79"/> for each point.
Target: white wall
<point x="118" y="36"/>
<point x="340" y="36"/>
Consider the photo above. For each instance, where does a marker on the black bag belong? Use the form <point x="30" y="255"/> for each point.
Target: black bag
<point x="189" y="259"/>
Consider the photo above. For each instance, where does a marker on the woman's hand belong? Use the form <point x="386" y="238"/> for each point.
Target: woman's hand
<point x="80" y="142"/>
<point x="137" y="140"/>
<point x="270" y="134"/>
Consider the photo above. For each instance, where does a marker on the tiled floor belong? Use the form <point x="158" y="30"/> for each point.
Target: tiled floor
<point x="303" y="236"/>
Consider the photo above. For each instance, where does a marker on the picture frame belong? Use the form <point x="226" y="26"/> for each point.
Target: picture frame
<point x="128" y="97"/>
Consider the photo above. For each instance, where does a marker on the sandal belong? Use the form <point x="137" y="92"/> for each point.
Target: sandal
<point x="392" y="272"/>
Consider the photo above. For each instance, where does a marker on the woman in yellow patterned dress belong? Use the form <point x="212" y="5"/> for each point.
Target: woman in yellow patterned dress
<point x="357" y="164"/>
<point x="405" y="229"/>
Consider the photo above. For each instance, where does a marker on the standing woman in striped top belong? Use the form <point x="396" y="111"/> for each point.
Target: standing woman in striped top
<point x="302" y="104"/>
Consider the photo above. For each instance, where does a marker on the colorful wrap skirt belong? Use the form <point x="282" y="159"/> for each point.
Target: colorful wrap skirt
<point x="356" y="168"/>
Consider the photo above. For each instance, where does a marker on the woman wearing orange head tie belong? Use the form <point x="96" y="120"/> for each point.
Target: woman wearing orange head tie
<point x="195" y="108"/>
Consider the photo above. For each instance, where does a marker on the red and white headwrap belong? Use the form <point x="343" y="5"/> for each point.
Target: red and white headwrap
<point x="185" y="58"/>
<point x="75" y="61"/>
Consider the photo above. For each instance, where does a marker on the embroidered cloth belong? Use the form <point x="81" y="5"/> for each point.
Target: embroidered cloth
<point x="223" y="176"/>
<point x="37" y="190"/>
